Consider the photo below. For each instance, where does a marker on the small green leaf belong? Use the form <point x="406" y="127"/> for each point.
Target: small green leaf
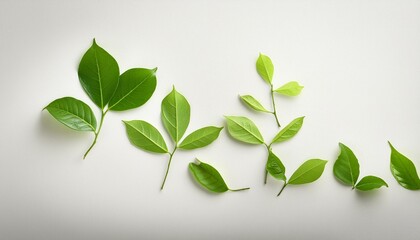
<point x="253" y="103"/>
<point x="135" y="88"/>
<point x="201" y="137"/>
<point x="244" y="130"/>
<point x="290" y="89"/>
<point x="175" y="114"/>
<point x="308" y="172"/>
<point x="73" y="113"/>
<point x="346" y="167"/>
<point x="275" y="167"/>
<point x="369" y="183"/>
<point x="265" y="68"/>
<point x="208" y="177"/>
<point x="98" y="74"/>
<point x="143" y="135"/>
<point x="404" y="170"/>
<point x="289" y="131"/>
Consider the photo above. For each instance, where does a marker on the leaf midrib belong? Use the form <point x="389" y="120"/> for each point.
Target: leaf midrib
<point x="99" y="77"/>
<point x="132" y="90"/>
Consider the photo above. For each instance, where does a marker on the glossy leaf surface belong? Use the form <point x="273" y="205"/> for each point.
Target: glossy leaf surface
<point x="135" y="88"/>
<point x="201" y="137"/>
<point x="275" y="167"/>
<point x="308" y="172"/>
<point x="208" y="177"/>
<point x="290" y="89"/>
<point x="369" y="183"/>
<point x="175" y="114"/>
<point x="98" y="73"/>
<point x="244" y="130"/>
<point x="403" y="170"/>
<point x="265" y="68"/>
<point x="289" y="131"/>
<point x="73" y="113"/>
<point x="346" y="167"/>
<point x="253" y="103"/>
<point x="143" y="135"/>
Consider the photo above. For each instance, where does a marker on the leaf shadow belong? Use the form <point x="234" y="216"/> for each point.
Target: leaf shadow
<point x="369" y="196"/>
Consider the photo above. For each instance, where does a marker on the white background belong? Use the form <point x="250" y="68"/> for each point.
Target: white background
<point x="358" y="60"/>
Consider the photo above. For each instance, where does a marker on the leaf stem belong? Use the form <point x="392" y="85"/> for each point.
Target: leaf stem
<point x="103" y="113"/>
<point x="266" y="172"/>
<point x="169" y="165"/>
<point x="237" y="190"/>
<point x="281" y="190"/>
<point x="274" y="112"/>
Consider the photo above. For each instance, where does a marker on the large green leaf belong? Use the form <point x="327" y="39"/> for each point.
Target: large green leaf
<point x="208" y="177"/>
<point x="253" y="103"/>
<point x="275" y="167"/>
<point x="175" y="114"/>
<point x="265" y="68"/>
<point x="135" y="88"/>
<point x="244" y="130"/>
<point x="404" y="170"/>
<point x="289" y="131"/>
<point x="201" y="137"/>
<point x="308" y="172"/>
<point x="98" y="74"/>
<point x="73" y="113"/>
<point x="143" y="135"/>
<point x="290" y="89"/>
<point x="346" y="167"/>
<point x="369" y="183"/>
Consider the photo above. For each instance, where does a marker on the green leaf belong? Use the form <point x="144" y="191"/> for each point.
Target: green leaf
<point x="201" y="137"/>
<point x="251" y="102"/>
<point x="175" y="114"/>
<point x="98" y="74"/>
<point x="404" y="170"/>
<point x="308" y="172"/>
<point x="289" y="131"/>
<point x="265" y="68"/>
<point x="275" y="167"/>
<point x="290" y="89"/>
<point x="208" y="177"/>
<point x="369" y="183"/>
<point x="135" y="88"/>
<point x="143" y="135"/>
<point x="346" y="167"/>
<point x="73" y="113"/>
<point x="244" y="130"/>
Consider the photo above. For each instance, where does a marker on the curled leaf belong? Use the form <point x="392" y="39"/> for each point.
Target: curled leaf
<point x="275" y="167"/>
<point x="253" y="103"/>
<point x="369" y="183"/>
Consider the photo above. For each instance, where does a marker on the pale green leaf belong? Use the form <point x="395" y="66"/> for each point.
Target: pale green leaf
<point x="201" y="137"/>
<point x="265" y="68"/>
<point x="253" y="103"/>
<point x="290" y="89"/>
<point x="289" y="131"/>
<point x="308" y="172"/>
<point x="244" y="130"/>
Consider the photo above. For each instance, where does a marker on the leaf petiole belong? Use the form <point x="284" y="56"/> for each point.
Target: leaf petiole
<point x="169" y="165"/>
<point x="281" y="190"/>
<point x="238" y="190"/>
<point x="96" y="133"/>
<point x="274" y="105"/>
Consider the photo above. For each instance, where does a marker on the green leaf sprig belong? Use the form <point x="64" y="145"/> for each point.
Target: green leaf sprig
<point x="175" y="115"/>
<point x="346" y="170"/>
<point x="403" y="170"/>
<point x="243" y="129"/>
<point x="209" y="178"/>
<point x="265" y="69"/>
<point x="100" y="77"/>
